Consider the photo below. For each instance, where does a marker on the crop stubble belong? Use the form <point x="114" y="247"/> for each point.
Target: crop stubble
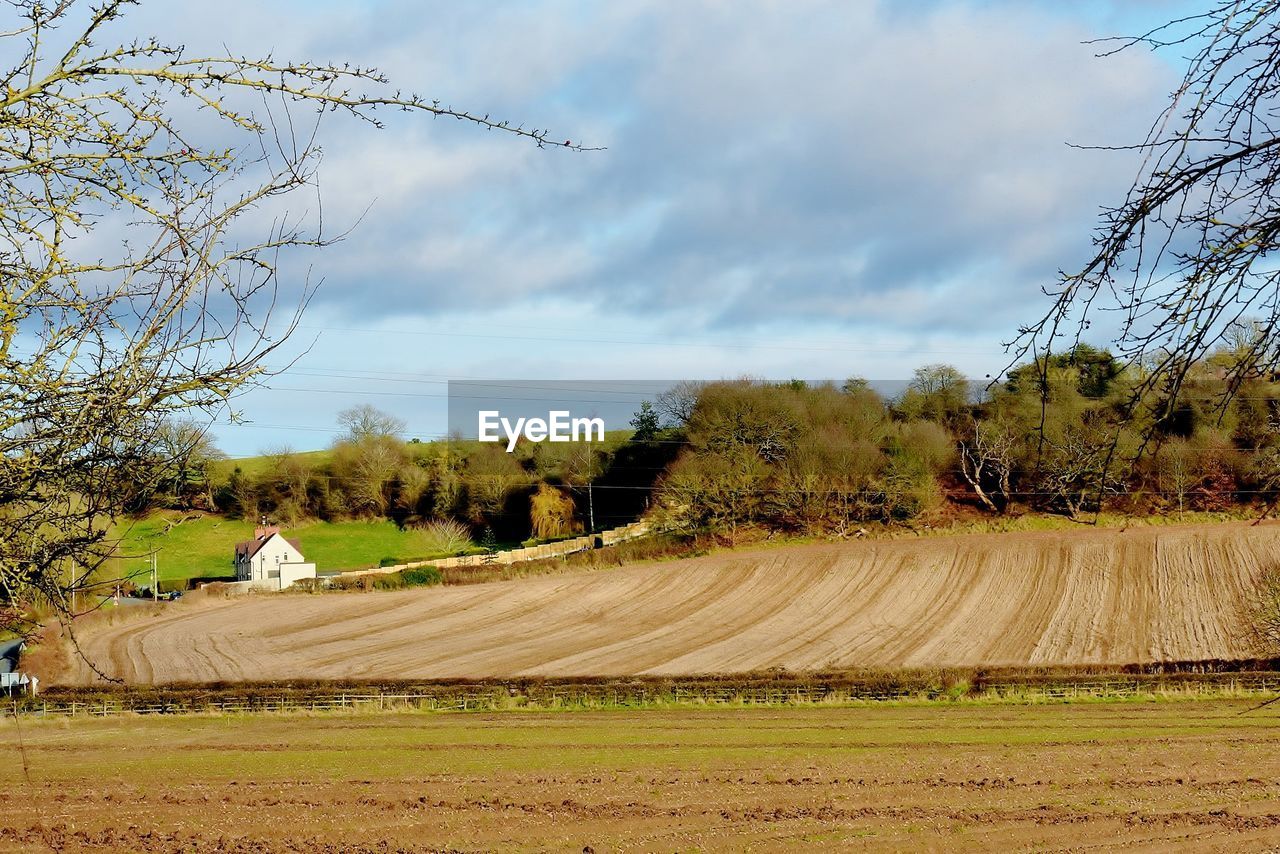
<point x="1085" y="596"/>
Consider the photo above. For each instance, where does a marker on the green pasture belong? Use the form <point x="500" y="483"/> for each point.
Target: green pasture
<point x="336" y="746"/>
<point x="202" y="546"/>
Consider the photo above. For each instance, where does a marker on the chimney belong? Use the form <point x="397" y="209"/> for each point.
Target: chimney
<point x="264" y="530"/>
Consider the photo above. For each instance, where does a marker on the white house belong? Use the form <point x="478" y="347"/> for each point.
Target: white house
<point x="270" y="561"/>
<point x="11" y="681"/>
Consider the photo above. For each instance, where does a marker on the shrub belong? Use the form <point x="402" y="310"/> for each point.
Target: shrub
<point x="421" y="576"/>
<point x="350" y="582"/>
<point x="418" y="576"/>
<point x="551" y="513"/>
<point x="446" y="537"/>
<point x="389" y="561"/>
<point x="928" y="443"/>
<point x="388" y="581"/>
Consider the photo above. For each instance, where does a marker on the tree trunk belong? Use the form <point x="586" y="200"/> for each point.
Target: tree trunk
<point x="975" y="479"/>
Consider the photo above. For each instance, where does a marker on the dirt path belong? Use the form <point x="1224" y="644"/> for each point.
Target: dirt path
<point x="1078" y="597"/>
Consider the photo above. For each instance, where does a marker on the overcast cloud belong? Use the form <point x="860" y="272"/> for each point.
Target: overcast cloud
<point x="890" y="179"/>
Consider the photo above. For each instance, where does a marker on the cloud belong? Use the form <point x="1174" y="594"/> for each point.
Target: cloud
<point x="923" y="148"/>
<point x="896" y="176"/>
<point x="809" y="159"/>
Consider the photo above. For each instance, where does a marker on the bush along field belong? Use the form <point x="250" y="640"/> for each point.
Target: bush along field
<point x="417" y="576"/>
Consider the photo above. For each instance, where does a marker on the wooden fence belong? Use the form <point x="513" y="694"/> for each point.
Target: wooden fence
<point x="495" y="698"/>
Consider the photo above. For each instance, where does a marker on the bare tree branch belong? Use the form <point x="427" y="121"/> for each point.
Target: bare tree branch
<point x="108" y="334"/>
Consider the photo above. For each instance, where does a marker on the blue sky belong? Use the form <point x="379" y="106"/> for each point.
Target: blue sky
<point x="811" y="189"/>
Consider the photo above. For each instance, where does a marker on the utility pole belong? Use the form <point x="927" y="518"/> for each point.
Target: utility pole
<point x="152" y="569"/>
<point x="591" y="507"/>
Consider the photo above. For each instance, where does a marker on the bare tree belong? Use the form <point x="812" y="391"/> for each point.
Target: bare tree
<point x="108" y="331"/>
<point x="188" y="451"/>
<point x="937" y="392"/>
<point x="1187" y="256"/>
<point x="1074" y="469"/>
<point x="369" y="470"/>
<point x="987" y="456"/>
<point x="1263" y="609"/>
<point x="365" y="422"/>
<point x="490" y="478"/>
<point x="676" y="404"/>
<point x="940" y="379"/>
<point x="1177" y="470"/>
<point x="285" y="483"/>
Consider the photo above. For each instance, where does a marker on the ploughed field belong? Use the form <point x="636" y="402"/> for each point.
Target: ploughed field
<point x="1084" y="596"/>
<point x="1200" y="775"/>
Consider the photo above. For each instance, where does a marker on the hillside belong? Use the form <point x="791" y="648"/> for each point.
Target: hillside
<point x="1085" y="596"/>
<point x="200" y="546"/>
<point x="220" y="470"/>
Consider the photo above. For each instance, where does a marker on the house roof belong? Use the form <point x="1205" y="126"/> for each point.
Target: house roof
<point x="247" y="549"/>
<point x="9" y="651"/>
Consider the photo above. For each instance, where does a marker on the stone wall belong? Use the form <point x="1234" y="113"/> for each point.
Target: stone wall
<point x="546" y="550"/>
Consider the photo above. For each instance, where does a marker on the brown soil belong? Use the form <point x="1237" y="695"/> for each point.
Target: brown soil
<point x="1086" y="596"/>
<point x="1150" y="776"/>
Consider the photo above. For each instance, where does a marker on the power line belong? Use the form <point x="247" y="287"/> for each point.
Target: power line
<point x="647" y="343"/>
<point x="453" y="396"/>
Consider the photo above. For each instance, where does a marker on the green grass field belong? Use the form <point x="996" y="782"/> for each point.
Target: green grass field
<point x="202" y="546"/>
<point x="221" y="470"/>
<point x="392" y="742"/>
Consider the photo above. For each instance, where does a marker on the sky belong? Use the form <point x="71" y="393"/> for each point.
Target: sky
<point x="785" y="189"/>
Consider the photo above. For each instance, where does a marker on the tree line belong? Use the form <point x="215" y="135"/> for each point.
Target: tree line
<point x="1075" y="433"/>
<point x="1066" y="434"/>
<point x="541" y="491"/>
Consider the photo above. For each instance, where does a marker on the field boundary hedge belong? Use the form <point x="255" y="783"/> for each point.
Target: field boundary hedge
<point x="1028" y="684"/>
